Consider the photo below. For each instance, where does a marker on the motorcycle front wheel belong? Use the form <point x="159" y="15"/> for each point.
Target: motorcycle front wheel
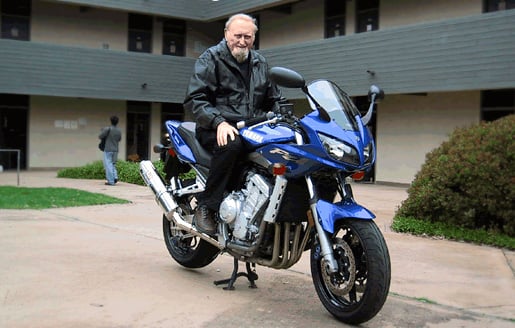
<point x="187" y="250"/>
<point x="357" y="292"/>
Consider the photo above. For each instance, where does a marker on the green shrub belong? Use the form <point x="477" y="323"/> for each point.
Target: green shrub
<point x="469" y="181"/>
<point x="127" y="171"/>
<point x="93" y="170"/>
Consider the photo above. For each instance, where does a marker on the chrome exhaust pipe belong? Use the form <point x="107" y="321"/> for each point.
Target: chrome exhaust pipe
<point x="154" y="181"/>
<point x="167" y="203"/>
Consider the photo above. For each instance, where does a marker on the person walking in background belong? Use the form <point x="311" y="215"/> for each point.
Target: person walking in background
<point x="113" y="135"/>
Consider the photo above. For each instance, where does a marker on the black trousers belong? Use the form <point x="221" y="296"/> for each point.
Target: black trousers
<point x="222" y="166"/>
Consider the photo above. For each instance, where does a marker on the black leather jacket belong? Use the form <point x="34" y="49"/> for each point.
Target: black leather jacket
<point x="217" y="91"/>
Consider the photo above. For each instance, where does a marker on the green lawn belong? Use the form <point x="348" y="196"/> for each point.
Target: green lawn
<point x="40" y="198"/>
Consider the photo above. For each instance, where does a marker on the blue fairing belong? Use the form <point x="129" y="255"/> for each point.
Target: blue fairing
<point x="266" y="134"/>
<point x="329" y="213"/>
<point x="312" y="124"/>
<point x="300" y="160"/>
<point x="183" y="150"/>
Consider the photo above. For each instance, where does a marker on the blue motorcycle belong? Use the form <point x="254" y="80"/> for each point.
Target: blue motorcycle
<point x="291" y="193"/>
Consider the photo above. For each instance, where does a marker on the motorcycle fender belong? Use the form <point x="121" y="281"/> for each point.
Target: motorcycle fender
<point x="329" y="213"/>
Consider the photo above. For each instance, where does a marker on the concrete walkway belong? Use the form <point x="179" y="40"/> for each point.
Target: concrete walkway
<point x="476" y="281"/>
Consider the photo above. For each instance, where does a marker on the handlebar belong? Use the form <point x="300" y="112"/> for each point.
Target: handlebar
<point x="256" y="120"/>
<point x="284" y="111"/>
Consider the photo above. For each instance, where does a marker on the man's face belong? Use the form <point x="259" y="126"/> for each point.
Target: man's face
<point x="240" y="38"/>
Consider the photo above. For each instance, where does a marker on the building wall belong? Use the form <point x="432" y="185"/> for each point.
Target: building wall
<point x="410" y="126"/>
<point x="406" y="12"/>
<point x="195" y="10"/>
<point x="467" y="53"/>
<point x="201" y="36"/>
<point x="63" y="132"/>
<point x="155" y="130"/>
<point x="68" y="25"/>
<point x="306" y="22"/>
<point x="60" y="74"/>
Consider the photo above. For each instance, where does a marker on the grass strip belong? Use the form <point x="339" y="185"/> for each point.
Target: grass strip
<point x="51" y="197"/>
<point x="449" y="231"/>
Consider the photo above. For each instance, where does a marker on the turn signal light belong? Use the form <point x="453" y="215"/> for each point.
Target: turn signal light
<point x="278" y="169"/>
<point x="358" y="176"/>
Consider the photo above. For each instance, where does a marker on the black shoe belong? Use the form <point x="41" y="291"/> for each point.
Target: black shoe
<point x="115" y="180"/>
<point x="204" y="221"/>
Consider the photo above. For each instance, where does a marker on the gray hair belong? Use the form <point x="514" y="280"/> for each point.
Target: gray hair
<point x="244" y="17"/>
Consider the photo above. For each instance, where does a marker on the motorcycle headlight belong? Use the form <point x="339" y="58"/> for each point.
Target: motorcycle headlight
<point x="339" y="150"/>
<point x="368" y="153"/>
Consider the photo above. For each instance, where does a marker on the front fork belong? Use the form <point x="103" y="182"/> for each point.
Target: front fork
<point x="326" y="246"/>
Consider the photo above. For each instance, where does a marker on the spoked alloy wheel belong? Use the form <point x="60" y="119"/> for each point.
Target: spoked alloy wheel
<point x="188" y="250"/>
<point x="358" y="290"/>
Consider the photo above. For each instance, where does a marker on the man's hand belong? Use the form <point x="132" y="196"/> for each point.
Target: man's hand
<point x="223" y="130"/>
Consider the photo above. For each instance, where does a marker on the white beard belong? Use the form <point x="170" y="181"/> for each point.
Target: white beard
<point x="240" y="54"/>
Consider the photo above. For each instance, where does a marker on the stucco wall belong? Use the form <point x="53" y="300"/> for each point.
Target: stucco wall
<point x="305" y="23"/>
<point x="410" y="126"/>
<point x="63" y="132"/>
<point x="67" y="25"/>
<point x="407" y="12"/>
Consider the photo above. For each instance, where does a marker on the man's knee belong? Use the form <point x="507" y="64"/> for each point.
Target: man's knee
<point x="235" y="146"/>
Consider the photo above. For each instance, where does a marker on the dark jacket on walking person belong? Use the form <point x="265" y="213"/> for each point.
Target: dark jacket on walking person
<point x="113" y="135"/>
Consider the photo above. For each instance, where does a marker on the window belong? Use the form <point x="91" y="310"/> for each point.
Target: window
<point x="140" y="33"/>
<point x="16" y="19"/>
<point x="496" y="5"/>
<point x="174" y="32"/>
<point x="334" y="18"/>
<point x="138" y="130"/>
<point x="367" y="15"/>
<point x="497" y="103"/>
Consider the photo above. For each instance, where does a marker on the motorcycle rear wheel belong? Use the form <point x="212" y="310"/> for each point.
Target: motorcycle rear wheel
<point x="357" y="292"/>
<point x="187" y="250"/>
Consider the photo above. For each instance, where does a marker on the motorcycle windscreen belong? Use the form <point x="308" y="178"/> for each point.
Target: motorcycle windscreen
<point x="336" y="103"/>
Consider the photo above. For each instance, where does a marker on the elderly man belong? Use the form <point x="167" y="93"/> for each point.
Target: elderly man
<point x="229" y="84"/>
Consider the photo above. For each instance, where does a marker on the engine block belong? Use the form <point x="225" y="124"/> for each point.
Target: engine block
<point x="239" y="209"/>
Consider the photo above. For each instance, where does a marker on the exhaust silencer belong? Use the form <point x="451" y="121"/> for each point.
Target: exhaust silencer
<point x="167" y="203"/>
<point x="153" y="180"/>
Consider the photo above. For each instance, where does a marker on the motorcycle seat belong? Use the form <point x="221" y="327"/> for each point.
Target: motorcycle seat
<point x="187" y="132"/>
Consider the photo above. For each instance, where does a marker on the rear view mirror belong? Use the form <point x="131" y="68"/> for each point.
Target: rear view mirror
<point x="286" y="77"/>
<point x="375" y="94"/>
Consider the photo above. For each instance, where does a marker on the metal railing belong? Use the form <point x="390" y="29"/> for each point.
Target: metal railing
<point x="18" y="151"/>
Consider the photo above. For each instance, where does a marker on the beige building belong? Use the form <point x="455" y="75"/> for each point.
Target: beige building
<point x="68" y="65"/>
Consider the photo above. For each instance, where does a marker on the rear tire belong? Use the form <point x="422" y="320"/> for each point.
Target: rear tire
<point x="357" y="292"/>
<point x="187" y="250"/>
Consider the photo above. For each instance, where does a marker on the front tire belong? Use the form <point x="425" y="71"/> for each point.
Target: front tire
<point x="357" y="292"/>
<point x="187" y="250"/>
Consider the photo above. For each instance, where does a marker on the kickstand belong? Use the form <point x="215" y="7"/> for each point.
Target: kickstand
<point x="250" y="274"/>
